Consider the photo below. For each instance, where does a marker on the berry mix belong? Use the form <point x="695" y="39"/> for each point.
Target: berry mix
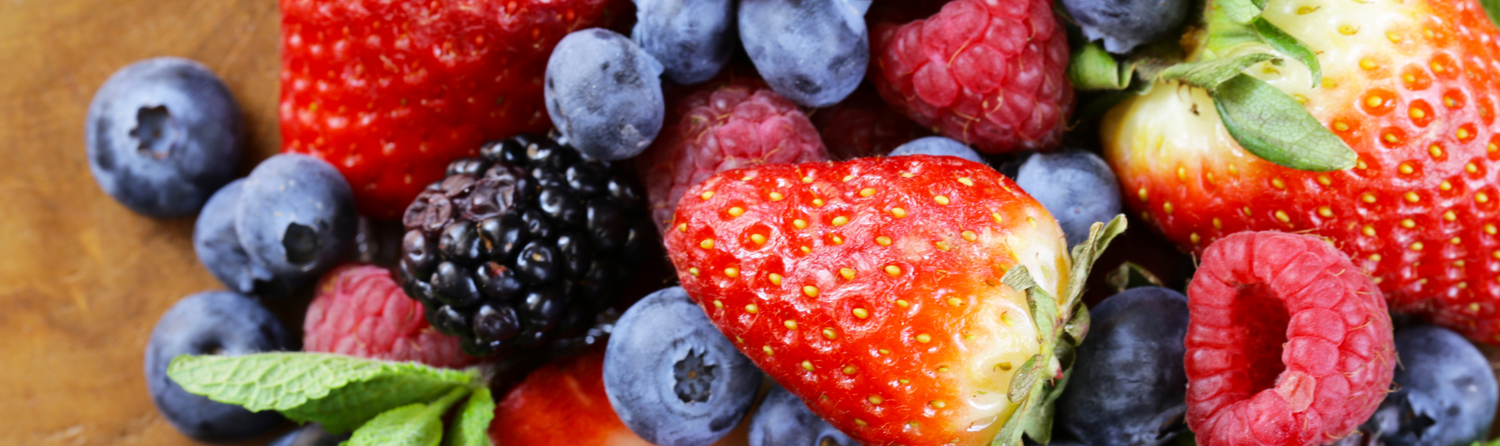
<point x="834" y="222"/>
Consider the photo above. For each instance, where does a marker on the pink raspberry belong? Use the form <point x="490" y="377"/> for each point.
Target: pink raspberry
<point x="864" y="125"/>
<point x="989" y="73"/>
<point x="360" y="310"/>
<point x="723" y="125"/>
<point x="1289" y="343"/>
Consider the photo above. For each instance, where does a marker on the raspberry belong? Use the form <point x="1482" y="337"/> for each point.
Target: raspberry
<point x="1288" y="344"/>
<point x="721" y="126"/>
<point x="992" y="75"/>
<point x="360" y="310"/>
<point x="864" y="125"/>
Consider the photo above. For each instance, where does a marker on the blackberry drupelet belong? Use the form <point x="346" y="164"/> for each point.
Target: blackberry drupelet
<point x="526" y="246"/>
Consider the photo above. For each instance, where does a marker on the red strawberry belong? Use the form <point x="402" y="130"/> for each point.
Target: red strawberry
<point x="1287" y="345"/>
<point x="561" y="403"/>
<point x="722" y="125"/>
<point x="391" y="91"/>
<point x="361" y="311"/>
<point x="864" y="125"/>
<point x="991" y="74"/>
<point x="1412" y="93"/>
<point x="877" y="290"/>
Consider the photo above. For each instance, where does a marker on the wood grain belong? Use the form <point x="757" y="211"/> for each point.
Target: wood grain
<point x="82" y="279"/>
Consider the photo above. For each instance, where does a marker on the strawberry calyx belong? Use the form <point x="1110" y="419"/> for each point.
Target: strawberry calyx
<point x="1232" y="37"/>
<point x="1061" y="324"/>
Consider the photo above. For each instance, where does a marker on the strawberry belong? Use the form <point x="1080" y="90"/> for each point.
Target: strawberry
<point x="391" y="91"/>
<point x="1409" y="87"/>
<point x="894" y="295"/>
<point x="561" y="403"/>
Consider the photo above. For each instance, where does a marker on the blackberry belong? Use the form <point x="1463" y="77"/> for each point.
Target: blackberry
<point x="527" y="246"/>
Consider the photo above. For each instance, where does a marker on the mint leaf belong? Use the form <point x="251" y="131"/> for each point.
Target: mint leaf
<point x="1275" y="127"/>
<point x="410" y="425"/>
<point x="1210" y="74"/>
<point x="473" y="423"/>
<point x="341" y="392"/>
<point x="1288" y="45"/>
<point x="1242" y="11"/>
<point x="1092" y="68"/>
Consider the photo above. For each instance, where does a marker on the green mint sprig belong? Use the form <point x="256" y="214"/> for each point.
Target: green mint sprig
<point x="383" y="403"/>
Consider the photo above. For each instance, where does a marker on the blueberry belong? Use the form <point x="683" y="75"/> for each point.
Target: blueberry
<point x="1445" y="393"/>
<point x="691" y="38"/>
<point x="1128" y="385"/>
<point x="813" y="52"/>
<point x="1077" y="187"/>
<point x="211" y="323"/>
<point x="938" y="146"/>
<point x="1124" y="24"/>
<point x="672" y="377"/>
<point x="218" y="247"/>
<point x="310" y="435"/>
<point x="296" y="216"/>
<point x="162" y="135"/>
<point x="604" y="94"/>
<point x="783" y="420"/>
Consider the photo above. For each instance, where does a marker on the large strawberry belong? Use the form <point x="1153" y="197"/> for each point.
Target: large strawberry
<point x="1409" y="86"/>
<point x="894" y="295"/>
<point x="391" y="91"/>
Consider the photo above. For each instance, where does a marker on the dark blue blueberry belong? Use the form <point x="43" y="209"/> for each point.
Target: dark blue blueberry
<point x="938" y="146"/>
<point x="296" y="216"/>
<point x="1124" y="24"/>
<point x="211" y="323"/>
<point x="691" y="38"/>
<point x="1445" y="393"/>
<point x="162" y="135"/>
<point x="310" y="435"/>
<point x="813" y="52"/>
<point x="1077" y="187"/>
<point x="672" y="377"/>
<point x="1128" y="385"/>
<point x="783" y="420"/>
<point x="218" y="246"/>
<point x="604" y="94"/>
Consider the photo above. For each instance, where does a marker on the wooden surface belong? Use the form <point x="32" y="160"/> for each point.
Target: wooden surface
<point x="82" y="279"/>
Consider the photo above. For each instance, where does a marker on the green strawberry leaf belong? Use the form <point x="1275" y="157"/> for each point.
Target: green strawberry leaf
<point x="1273" y="126"/>
<point x="1290" y="46"/>
<point x="1210" y="74"/>
<point x="1492" y="9"/>
<point x="1130" y="275"/>
<point x="1043" y="306"/>
<point x="410" y="425"/>
<point x="1026" y="375"/>
<point x="341" y="392"/>
<point x="1085" y="254"/>
<point x="1077" y="326"/>
<point x="1038" y="426"/>
<point x="473" y="423"/>
<point x="1092" y="68"/>
<point x="1242" y="11"/>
